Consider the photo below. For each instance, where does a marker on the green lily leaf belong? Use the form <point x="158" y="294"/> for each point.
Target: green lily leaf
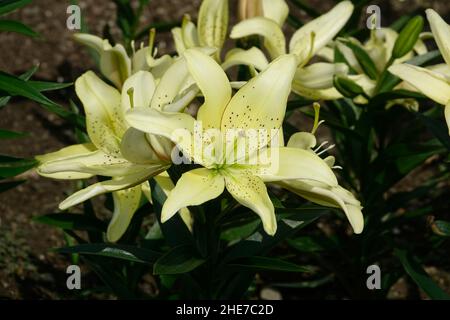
<point x="17" y="27"/>
<point x="347" y="87"/>
<point x="421" y="278"/>
<point x="311" y="244"/>
<point x="181" y="259"/>
<point x="70" y="221"/>
<point x="437" y="127"/>
<point x="43" y="86"/>
<point x="263" y="263"/>
<point x="363" y="58"/>
<point x="6" y="134"/>
<point x="123" y="252"/>
<point x="12" y="166"/>
<point x="15" y="86"/>
<point x="289" y="222"/>
<point x="25" y="76"/>
<point x="7" y="6"/>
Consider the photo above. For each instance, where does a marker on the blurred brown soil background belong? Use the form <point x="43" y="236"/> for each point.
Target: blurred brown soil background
<point x="28" y="269"/>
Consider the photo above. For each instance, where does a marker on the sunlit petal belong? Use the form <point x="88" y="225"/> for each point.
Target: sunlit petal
<point x="276" y="10"/>
<point x="274" y="40"/>
<point x="143" y="86"/>
<point x="261" y="103"/>
<point x="302" y="140"/>
<point x="319" y="75"/>
<point x="325" y="27"/>
<point x="126" y="202"/>
<point x="115" y="64"/>
<point x="174" y="80"/>
<point x="213" y="83"/>
<point x="103" y="187"/>
<point x="441" y="33"/>
<point x="195" y="187"/>
<point x="61" y="155"/>
<point x="295" y="163"/>
<point x="97" y="162"/>
<point x="158" y="122"/>
<point x="330" y="197"/>
<point x="136" y="148"/>
<point x="213" y="23"/>
<point x="251" y="57"/>
<point x="432" y="84"/>
<point x="251" y="192"/>
<point x="101" y="103"/>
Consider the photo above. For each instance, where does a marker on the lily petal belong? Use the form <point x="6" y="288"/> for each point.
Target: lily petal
<point x="143" y="85"/>
<point x="116" y="65"/>
<point x="213" y="83"/>
<point x="441" y="33"/>
<point x="251" y="192"/>
<point x="167" y="185"/>
<point x="274" y="41"/>
<point x="103" y="187"/>
<point x="190" y="35"/>
<point x="177" y="35"/>
<point x="296" y="163"/>
<point x="136" y="148"/>
<point x="102" y="106"/>
<point x="432" y="84"/>
<point x="330" y="198"/>
<point x="302" y="140"/>
<point x="97" y="163"/>
<point x="62" y="154"/>
<point x="320" y="75"/>
<point x="315" y="94"/>
<point x="213" y="23"/>
<point x="174" y="80"/>
<point x="96" y="43"/>
<point x="195" y="187"/>
<point x="325" y="28"/>
<point x="126" y="202"/>
<point x="158" y="122"/>
<point x="276" y="10"/>
<point x="261" y="103"/>
<point x="139" y="60"/>
<point x="251" y="57"/>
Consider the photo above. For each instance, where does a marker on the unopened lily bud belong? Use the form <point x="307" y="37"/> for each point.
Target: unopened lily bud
<point x="249" y="9"/>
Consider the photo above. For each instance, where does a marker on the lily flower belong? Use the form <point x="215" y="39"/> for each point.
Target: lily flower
<point x="333" y="196"/>
<point x="211" y="31"/>
<point x="128" y="156"/>
<point x="315" y="81"/>
<point x="259" y="105"/>
<point x="117" y="66"/>
<point x="434" y="82"/>
<point x="379" y="48"/>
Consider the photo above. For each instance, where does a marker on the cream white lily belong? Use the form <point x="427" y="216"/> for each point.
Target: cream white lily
<point x="128" y="156"/>
<point x="320" y="192"/>
<point x="258" y="105"/>
<point x="117" y="66"/>
<point x="434" y="82"/>
<point x="211" y="30"/>
<point x="305" y="43"/>
<point x="379" y="48"/>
